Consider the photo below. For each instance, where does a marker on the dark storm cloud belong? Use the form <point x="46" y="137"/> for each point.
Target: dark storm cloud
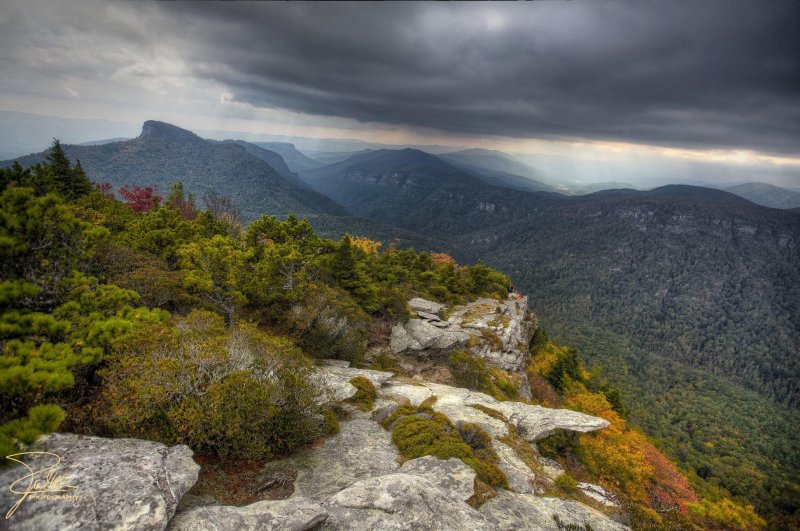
<point x="700" y="74"/>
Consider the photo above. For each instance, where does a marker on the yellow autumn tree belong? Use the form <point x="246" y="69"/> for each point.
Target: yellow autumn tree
<point x="365" y="244"/>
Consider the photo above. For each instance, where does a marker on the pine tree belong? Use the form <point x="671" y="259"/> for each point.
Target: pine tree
<point x="349" y="274"/>
<point x="58" y="175"/>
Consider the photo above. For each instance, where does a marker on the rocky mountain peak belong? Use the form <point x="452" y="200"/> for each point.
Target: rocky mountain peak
<point x="163" y="130"/>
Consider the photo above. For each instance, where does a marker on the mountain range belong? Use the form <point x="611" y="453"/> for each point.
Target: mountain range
<point x="688" y="297"/>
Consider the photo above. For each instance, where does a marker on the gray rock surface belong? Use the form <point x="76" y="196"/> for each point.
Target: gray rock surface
<point x="510" y="510"/>
<point x="508" y="327"/>
<point x="520" y="477"/>
<point x="401" y="340"/>
<point x="119" y="484"/>
<point x="418" y="304"/>
<point x="599" y="494"/>
<point x="450" y="475"/>
<point x="294" y="514"/>
<point x="362" y="449"/>
<point x="400" y="501"/>
<point x="537" y="422"/>
<point x="336" y="380"/>
<point x="532" y="422"/>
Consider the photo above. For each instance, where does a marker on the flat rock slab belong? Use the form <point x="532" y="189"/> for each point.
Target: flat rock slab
<point x="531" y="422"/>
<point x="536" y="422"/>
<point x="450" y="475"/>
<point x="336" y="380"/>
<point x="119" y="484"/>
<point x="430" y="316"/>
<point x="294" y="514"/>
<point x="510" y="510"/>
<point x="400" y="502"/>
<point x="419" y="304"/>
<point x="362" y="449"/>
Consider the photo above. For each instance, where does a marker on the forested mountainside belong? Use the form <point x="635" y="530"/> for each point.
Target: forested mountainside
<point x="270" y="157"/>
<point x="164" y="154"/>
<point x="681" y="274"/>
<point x="174" y="324"/>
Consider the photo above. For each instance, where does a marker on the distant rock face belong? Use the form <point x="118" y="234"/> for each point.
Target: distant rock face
<point x="497" y="331"/>
<point x="119" y="484"/>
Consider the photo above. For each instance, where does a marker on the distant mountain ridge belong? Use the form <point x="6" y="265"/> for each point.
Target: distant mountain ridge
<point x="767" y="195"/>
<point x="295" y="160"/>
<point x="164" y="154"/>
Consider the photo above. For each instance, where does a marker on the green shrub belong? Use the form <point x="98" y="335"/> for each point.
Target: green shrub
<point x="365" y="396"/>
<point x="468" y="371"/>
<point x="558" y="444"/>
<point x="492" y="338"/>
<point x="232" y="392"/>
<point x="387" y="362"/>
<point x="419" y="432"/>
<point x="328" y="323"/>
<point x="330" y="422"/>
<point x="566" y="483"/>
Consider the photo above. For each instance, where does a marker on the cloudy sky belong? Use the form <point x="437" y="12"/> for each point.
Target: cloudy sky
<point x="711" y="83"/>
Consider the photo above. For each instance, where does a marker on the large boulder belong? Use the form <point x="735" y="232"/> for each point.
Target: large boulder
<point x="400" y="501"/>
<point x="118" y="484"/>
<point x="511" y="511"/>
<point x="497" y="331"/>
<point x="450" y="475"/>
<point x="294" y="514"/>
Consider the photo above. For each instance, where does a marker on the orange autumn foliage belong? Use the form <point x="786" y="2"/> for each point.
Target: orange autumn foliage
<point x="623" y="459"/>
<point x="443" y="258"/>
<point x="626" y="458"/>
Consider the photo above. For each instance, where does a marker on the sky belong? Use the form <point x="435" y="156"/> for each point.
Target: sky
<point x="610" y="89"/>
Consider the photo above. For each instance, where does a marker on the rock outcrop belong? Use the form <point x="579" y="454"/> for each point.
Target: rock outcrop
<point x="531" y="422"/>
<point x="118" y="484"/>
<point x="497" y="331"/>
<point x="511" y="510"/>
<point x="335" y="378"/>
